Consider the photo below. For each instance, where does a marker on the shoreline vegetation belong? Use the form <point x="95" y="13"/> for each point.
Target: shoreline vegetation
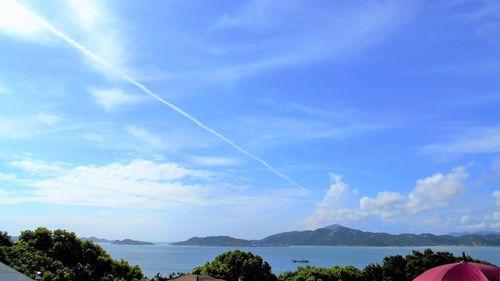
<point x="338" y="235"/>
<point x="60" y="255"/>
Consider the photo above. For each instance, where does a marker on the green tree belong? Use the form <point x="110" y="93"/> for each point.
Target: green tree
<point x="237" y="265"/>
<point x="394" y="268"/>
<point x="5" y="239"/>
<point x="373" y="272"/>
<point x="61" y="256"/>
<point x="347" y="273"/>
<point x="308" y="273"/>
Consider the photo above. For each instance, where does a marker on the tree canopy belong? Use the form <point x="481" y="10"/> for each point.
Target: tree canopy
<point x="61" y="256"/>
<point x="237" y="265"/>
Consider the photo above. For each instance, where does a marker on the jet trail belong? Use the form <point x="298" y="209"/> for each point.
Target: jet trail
<point x="48" y="26"/>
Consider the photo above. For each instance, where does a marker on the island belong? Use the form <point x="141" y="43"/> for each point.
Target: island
<point x="131" y="242"/>
<point x="118" y="242"/>
<point x="221" y="241"/>
<point x="338" y="235"/>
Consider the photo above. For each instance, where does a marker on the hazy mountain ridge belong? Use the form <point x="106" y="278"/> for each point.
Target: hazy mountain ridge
<point x="215" y="241"/>
<point x="337" y="235"/>
<point x="118" y="242"/>
<point x="131" y="242"/>
<point x="482" y="233"/>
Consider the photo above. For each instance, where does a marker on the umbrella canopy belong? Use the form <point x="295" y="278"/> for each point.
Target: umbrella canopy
<point x="462" y="271"/>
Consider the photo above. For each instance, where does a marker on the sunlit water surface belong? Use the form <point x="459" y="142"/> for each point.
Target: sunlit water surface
<point x="166" y="258"/>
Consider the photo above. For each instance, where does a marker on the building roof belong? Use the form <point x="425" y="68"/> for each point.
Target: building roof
<point x="9" y="274"/>
<point x="196" y="277"/>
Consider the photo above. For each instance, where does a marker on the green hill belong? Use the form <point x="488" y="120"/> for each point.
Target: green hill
<point x="337" y="235"/>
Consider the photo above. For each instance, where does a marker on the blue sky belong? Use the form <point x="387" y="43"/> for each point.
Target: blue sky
<point x="268" y="116"/>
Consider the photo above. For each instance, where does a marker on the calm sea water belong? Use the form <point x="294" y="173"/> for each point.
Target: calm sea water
<point x="166" y="258"/>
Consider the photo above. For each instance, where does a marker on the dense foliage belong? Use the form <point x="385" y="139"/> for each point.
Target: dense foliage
<point x="393" y="268"/>
<point x="61" y="256"/>
<point x="237" y="265"/>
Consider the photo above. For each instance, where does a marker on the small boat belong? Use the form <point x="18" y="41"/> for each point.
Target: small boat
<point x="300" y="260"/>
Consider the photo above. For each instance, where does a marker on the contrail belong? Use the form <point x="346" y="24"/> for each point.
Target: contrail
<point x="45" y="24"/>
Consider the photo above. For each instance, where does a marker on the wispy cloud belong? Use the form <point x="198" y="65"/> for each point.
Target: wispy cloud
<point x="13" y="128"/>
<point x="47" y="118"/>
<point x="477" y="141"/>
<point x="210" y="161"/>
<point x="294" y="122"/>
<point x="29" y="126"/>
<point x="39" y="167"/>
<point x="300" y="32"/>
<point x="112" y="99"/>
<point x="138" y="184"/>
<point x="145" y="136"/>
<point x="292" y="33"/>
<point x="4" y="90"/>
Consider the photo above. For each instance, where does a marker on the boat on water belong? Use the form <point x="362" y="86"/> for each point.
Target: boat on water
<point x="300" y="260"/>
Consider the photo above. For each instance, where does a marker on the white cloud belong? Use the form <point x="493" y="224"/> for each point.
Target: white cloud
<point x="213" y="160"/>
<point x="139" y="183"/>
<point x="496" y="195"/>
<point x="38" y="167"/>
<point x="111" y="99"/>
<point x="102" y="31"/>
<point x="386" y="205"/>
<point x="16" y="21"/>
<point x="47" y="118"/>
<point x="430" y="194"/>
<point x="144" y="185"/>
<point x="477" y="226"/>
<point x="465" y="219"/>
<point x="91" y="22"/>
<point x="327" y="208"/>
<point x="436" y="190"/>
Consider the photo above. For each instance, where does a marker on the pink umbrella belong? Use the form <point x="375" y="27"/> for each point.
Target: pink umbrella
<point x="461" y="271"/>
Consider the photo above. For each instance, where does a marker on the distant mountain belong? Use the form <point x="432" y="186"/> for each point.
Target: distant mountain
<point x="222" y="241"/>
<point x="337" y="235"/>
<point x="98" y="240"/>
<point x="118" y="242"/>
<point x="334" y="226"/>
<point x="482" y="233"/>
<point x="131" y="242"/>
